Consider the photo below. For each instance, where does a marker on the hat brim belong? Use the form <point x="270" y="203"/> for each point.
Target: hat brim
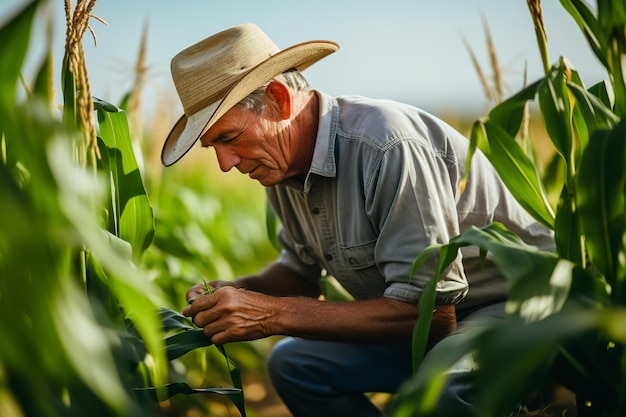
<point x="188" y="129"/>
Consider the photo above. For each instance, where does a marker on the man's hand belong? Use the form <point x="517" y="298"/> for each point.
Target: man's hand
<point x="230" y="314"/>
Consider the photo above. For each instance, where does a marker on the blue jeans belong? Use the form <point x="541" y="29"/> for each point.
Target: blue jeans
<point x="327" y="379"/>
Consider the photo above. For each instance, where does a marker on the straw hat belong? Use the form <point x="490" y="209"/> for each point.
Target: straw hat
<point x="216" y="73"/>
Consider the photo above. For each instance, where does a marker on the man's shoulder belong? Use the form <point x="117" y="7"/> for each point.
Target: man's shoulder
<point x="376" y="121"/>
<point x="385" y="123"/>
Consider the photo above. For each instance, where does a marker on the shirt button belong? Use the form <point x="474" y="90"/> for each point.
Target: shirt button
<point x="315" y="210"/>
<point x="328" y="257"/>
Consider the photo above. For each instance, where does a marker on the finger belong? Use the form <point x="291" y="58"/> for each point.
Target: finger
<point x="194" y="291"/>
<point x="198" y="310"/>
<point x="218" y="338"/>
<point x="205" y="302"/>
<point x="210" y="320"/>
<point x="197" y="304"/>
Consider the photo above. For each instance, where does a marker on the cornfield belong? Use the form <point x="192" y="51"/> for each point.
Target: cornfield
<point x="98" y="245"/>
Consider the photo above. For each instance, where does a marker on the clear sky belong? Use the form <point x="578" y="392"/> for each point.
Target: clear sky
<point x="408" y="50"/>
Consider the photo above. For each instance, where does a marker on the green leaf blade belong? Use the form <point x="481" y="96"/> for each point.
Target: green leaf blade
<point x="134" y="214"/>
<point x="517" y="172"/>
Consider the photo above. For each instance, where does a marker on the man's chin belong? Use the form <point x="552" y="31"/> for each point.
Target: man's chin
<point x="266" y="181"/>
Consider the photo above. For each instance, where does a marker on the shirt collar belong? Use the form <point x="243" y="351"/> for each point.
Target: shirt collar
<point x="323" y="162"/>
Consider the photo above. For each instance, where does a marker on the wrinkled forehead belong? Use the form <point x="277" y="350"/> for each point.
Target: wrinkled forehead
<point x="231" y="124"/>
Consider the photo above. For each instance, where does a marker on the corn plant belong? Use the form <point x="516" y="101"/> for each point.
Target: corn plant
<point x="85" y="332"/>
<point x="566" y="310"/>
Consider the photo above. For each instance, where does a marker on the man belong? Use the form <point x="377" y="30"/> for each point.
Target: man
<point x="360" y="186"/>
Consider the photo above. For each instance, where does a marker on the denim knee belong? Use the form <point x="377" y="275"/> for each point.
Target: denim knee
<point x="280" y="363"/>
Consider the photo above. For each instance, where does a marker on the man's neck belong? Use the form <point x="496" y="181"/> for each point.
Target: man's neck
<point x="305" y="124"/>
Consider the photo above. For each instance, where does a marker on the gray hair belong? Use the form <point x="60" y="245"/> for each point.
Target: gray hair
<point x="256" y="100"/>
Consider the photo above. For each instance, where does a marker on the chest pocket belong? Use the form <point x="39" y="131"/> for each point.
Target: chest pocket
<point x="361" y="276"/>
<point x="359" y="256"/>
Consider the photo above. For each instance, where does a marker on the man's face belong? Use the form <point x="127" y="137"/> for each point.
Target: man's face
<point x="255" y="144"/>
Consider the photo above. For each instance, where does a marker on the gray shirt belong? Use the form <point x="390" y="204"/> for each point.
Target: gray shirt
<point x="382" y="186"/>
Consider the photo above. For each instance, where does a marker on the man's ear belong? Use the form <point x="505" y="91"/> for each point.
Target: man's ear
<point x="280" y="93"/>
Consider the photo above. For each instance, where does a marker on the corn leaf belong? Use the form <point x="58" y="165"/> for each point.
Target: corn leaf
<point x="594" y="110"/>
<point x="581" y="127"/>
<point x="185" y="342"/>
<point x="611" y="13"/>
<point x="333" y="290"/>
<point x="566" y="228"/>
<point x="138" y="297"/>
<point x="510" y="113"/>
<point x="173" y="320"/>
<point x="555" y="108"/>
<point x="182" y="388"/>
<point x="600" y="91"/>
<point x="426" y="304"/>
<point x="420" y="394"/>
<point x="515" y="168"/>
<point x="589" y="26"/>
<point x="132" y="218"/>
<point x="539" y="284"/>
<point x="533" y="346"/>
<point x="600" y="196"/>
<point x="531" y="299"/>
<point x="44" y="85"/>
<point x="15" y="35"/>
<point x="235" y="376"/>
<point x="170" y="390"/>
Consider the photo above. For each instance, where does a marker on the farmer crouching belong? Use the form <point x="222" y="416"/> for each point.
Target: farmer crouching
<point x="361" y="187"/>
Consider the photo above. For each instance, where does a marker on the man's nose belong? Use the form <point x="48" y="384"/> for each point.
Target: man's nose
<point x="226" y="157"/>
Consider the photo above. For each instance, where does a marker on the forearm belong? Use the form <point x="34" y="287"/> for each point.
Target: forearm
<point x="280" y="302"/>
<point x="368" y="321"/>
<point x="280" y="281"/>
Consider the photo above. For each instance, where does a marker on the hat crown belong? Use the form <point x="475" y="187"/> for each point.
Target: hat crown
<point x="204" y="72"/>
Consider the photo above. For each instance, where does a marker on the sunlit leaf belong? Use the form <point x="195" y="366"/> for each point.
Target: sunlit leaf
<point x="510" y="113"/>
<point x="588" y="24"/>
<point x="516" y="170"/>
<point x="555" y="109"/>
<point x="531" y="299"/>
<point x="420" y="394"/>
<point x="133" y="218"/>
<point x="594" y="111"/>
